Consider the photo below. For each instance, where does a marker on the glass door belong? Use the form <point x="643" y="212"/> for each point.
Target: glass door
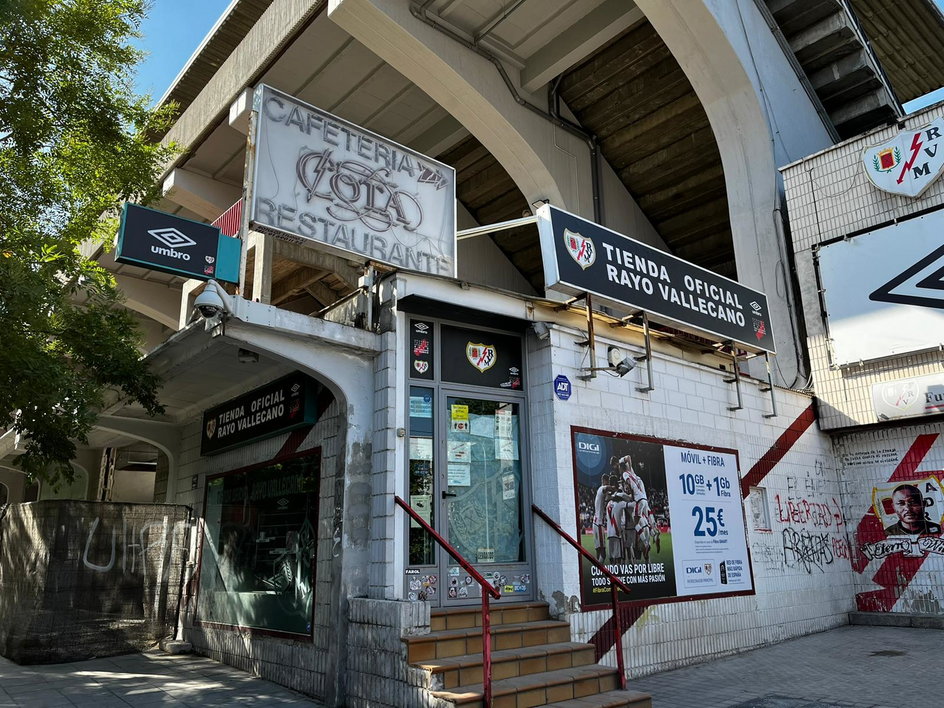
<point x="482" y="499"/>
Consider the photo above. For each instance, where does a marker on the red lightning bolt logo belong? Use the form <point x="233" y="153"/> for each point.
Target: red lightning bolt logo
<point x="915" y="146"/>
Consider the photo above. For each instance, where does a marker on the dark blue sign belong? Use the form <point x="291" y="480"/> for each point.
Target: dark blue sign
<point x="171" y="244"/>
<point x="562" y="387"/>
<point x="583" y="257"/>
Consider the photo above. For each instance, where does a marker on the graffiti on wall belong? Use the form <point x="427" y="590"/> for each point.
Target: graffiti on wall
<point x="130" y="547"/>
<point x="813" y="532"/>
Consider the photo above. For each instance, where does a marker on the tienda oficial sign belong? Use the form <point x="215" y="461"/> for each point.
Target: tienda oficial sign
<point x="583" y="257"/>
<point x="318" y="179"/>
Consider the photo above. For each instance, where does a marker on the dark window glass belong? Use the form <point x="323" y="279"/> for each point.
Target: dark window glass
<point x="259" y="547"/>
<point x="421" y="473"/>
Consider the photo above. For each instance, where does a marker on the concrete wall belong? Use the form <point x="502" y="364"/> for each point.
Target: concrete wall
<point x="99" y="578"/>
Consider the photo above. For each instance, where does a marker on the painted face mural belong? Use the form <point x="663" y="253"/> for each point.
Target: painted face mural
<point x="911" y="514"/>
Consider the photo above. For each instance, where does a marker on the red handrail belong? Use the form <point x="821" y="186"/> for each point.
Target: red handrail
<point x="615" y="586"/>
<point x="487" y="589"/>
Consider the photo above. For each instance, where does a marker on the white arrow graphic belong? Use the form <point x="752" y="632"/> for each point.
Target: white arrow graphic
<point x="921" y="284"/>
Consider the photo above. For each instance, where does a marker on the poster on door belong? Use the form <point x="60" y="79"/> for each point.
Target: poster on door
<point x="665" y="517"/>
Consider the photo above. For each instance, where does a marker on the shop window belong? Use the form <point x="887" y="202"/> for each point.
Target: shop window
<point x="258" y="557"/>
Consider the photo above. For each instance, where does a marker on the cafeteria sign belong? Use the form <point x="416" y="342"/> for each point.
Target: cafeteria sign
<point x="277" y="407"/>
<point x="320" y="180"/>
<point x="583" y="257"/>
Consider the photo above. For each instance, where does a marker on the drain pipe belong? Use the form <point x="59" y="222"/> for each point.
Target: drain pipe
<point x="420" y="13"/>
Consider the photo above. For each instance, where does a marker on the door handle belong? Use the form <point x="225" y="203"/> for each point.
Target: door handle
<point x="449" y="494"/>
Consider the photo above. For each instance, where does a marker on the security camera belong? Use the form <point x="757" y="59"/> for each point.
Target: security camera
<point x="210" y="303"/>
<point x="619" y="362"/>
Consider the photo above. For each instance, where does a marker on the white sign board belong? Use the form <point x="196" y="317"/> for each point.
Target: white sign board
<point x="906" y="398"/>
<point x="884" y="291"/>
<point x="319" y="179"/>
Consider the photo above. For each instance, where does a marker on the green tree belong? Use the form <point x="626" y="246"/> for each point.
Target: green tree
<point x="74" y="145"/>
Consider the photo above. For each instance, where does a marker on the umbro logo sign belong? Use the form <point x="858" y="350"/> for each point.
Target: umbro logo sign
<point x="172" y="239"/>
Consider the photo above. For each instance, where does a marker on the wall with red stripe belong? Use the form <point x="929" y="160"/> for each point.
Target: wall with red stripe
<point x="796" y="525"/>
<point x="894" y="572"/>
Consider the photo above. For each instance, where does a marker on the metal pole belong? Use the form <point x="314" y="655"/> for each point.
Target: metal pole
<point x="492" y="228"/>
<point x="770" y="387"/>
<point x="648" y="357"/>
<point x="736" y="380"/>
<point x="591" y="342"/>
<point x="618" y="628"/>
<point x="486" y="652"/>
<point x="249" y="168"/>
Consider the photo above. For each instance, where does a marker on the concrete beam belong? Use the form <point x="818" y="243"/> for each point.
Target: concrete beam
<point x="239" y="111"/>
<point x="299" y="253"/>
<point x="262" y="248"/>
<point x="743" y="80"/>
<point x="595" y="29"/>
<point x="201" y="195"/>
<point x="158" y="301"/>
<point x="543" y="160"/>
<point x="293" y="283"/>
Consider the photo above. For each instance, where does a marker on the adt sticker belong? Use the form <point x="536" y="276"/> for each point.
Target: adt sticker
<point x="562" y="387"/>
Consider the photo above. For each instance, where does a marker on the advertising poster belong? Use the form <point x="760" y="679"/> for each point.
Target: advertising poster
<point x="664" y="517"/>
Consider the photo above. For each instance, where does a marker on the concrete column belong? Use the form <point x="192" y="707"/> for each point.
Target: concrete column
<point x="761" y="118"/>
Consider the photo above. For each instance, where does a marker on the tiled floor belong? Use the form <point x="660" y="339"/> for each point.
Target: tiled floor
<point x="849" y="667"/>
<point x="140" y="680"/>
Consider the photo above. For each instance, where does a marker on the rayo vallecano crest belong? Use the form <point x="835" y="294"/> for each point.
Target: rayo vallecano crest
<point x="908" y="163"/>
<point x="580" y="248"/>
<point x="481" y="356"/>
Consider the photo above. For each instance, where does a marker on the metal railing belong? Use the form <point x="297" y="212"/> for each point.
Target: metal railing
<point x="487" y="589"/>
<point x="615" y="586"/>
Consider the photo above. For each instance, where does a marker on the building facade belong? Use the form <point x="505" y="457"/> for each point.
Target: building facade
<point x="741" y="489"/>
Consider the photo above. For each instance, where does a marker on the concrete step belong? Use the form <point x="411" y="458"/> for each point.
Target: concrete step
<point x="609" y="699"/>
<point x="537" y="689"/>
<point x="450" y="672"/>
<point x="458" y="642"/>
<point x="460" y="617"/>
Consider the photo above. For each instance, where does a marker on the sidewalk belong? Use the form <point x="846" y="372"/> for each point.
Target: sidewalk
<point x="156" y="680"/>
<point x="848" y="667"/>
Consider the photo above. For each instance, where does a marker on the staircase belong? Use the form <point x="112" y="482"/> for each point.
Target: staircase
<point x="534" y="663"/>
<point x="834" y="55"/>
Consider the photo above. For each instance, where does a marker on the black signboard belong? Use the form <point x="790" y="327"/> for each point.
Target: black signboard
<point x="421" y="349"/>
<point x="277" y="407"/>
<point x="583" y="257"/>
<point x="479" y="358"/>
<point x="171" y="244"/>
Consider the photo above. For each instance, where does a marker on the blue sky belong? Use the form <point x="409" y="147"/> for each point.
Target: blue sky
<point x="172" y="31"/>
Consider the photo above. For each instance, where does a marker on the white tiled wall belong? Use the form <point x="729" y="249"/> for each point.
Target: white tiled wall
<point x="801" y="566"/>
<point x="829" y="196"/>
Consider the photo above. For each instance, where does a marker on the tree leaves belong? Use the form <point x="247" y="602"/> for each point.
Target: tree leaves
<point x="74" y="145"/>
